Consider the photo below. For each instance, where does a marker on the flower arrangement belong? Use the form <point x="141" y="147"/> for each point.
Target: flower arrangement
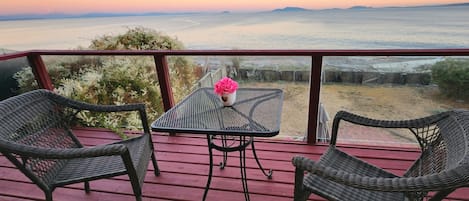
<point x="226" y="89"/>
<point x="225" y="86"/>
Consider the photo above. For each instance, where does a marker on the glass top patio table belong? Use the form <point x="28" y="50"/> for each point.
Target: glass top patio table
<point x="256" y="112"/>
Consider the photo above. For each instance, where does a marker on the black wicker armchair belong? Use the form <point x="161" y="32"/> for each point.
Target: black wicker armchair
<point x="36" y="136"/>
<point x="442" y="167"/>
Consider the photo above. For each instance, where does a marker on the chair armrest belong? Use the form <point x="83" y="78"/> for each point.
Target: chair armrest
<point x="365" y="121"/>
<point x="79" y="105"/>
<point x="140" y="107"/>
<point x="453" y="178"/>
<point x="68" y="153"/>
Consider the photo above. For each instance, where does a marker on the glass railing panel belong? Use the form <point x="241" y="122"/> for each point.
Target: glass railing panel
<point x="393" y="88"/>
<point x="291" y="74"/>
<point x="16" y="73"/>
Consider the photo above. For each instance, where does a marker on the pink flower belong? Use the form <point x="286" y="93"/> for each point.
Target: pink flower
<point x="225" y="85"/>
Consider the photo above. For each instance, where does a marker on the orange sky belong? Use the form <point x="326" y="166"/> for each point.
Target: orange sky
<point x="8" y="7"/>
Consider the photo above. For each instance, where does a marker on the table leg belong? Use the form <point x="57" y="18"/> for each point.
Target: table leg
<point x="209" y="142"/>
<point x="225" y="148"/>
<point x="225" y="153"/>
<point x="242" y="167"/>
<point x="269" y="174"/>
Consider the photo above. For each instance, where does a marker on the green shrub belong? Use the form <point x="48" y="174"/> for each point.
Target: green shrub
<point x="117" y="80"/>
<point x="452" y="77"/>
<point x="138" y="38"/>
<point x="65" y="68"/>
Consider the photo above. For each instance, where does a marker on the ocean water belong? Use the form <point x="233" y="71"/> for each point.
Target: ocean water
<point x="385" y="28"/>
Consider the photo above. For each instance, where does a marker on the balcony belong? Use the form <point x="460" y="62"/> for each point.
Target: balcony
<point x="183" y="159"/>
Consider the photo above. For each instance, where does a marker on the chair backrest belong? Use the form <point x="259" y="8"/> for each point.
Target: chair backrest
<point x="34" y="119"/>
<point x="444" y="144"/>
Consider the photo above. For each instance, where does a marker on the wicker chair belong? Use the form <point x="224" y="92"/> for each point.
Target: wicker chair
<point x="36" y="136"/>
<point x="442" y="167"/>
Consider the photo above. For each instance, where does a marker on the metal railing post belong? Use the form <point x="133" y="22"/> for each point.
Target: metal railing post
<point x="40" y="71"/>
<point x="314" y="91"/>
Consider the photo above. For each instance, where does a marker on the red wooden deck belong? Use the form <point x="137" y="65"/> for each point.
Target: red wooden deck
<point x="183" y="161"/>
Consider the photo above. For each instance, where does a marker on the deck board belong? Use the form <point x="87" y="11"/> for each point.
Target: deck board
<point x="183" y="161"/>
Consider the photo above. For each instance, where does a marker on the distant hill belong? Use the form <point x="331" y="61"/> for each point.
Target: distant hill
<point x="360" y="7"/>
<point x="106" y="14"/>
<point x="85" y="15"/>
<point x="433" y="6"/>
<point x="290" y="9"/>
<point x="294" y="9"/>
<point x="447" y="5"/>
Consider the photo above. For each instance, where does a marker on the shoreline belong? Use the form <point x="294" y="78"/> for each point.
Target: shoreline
<point x="384" y="64"/>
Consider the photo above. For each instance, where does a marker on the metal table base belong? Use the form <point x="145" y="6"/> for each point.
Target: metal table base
<point x="244" y="142"/>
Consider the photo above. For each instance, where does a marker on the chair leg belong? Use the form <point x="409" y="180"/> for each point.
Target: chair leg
<point x="299" y="194"/>
<point x="48" y="195"/>
<point x="155" y="164"/>
<point x="87" y="186"/>
<point x="138" y="197"/>
<point x="137" y="188"/>
<point x="134" y="180"/>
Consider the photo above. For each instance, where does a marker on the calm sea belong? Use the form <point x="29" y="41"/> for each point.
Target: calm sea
<point x="439" y="27"/>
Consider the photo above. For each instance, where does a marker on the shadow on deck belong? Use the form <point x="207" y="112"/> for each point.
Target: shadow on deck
<point x="183" y="161"/>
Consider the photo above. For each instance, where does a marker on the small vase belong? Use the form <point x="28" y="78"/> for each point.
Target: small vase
<point x="228" y="99"/>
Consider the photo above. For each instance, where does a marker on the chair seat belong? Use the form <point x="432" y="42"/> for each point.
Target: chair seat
<point x="83" y="169"/>
<point x="339" y="160"/>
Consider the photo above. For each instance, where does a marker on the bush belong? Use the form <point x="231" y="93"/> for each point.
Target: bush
<point x="117" y="80"/>
<point x="138" y="38"/>
<point x="452" y="77"/>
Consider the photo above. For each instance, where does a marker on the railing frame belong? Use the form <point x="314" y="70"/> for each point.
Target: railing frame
<point x="40" y="71"/>
<point x="160" y="56"/>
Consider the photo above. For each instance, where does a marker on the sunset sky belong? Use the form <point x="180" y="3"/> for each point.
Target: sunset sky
<point x="8" y="7"/>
